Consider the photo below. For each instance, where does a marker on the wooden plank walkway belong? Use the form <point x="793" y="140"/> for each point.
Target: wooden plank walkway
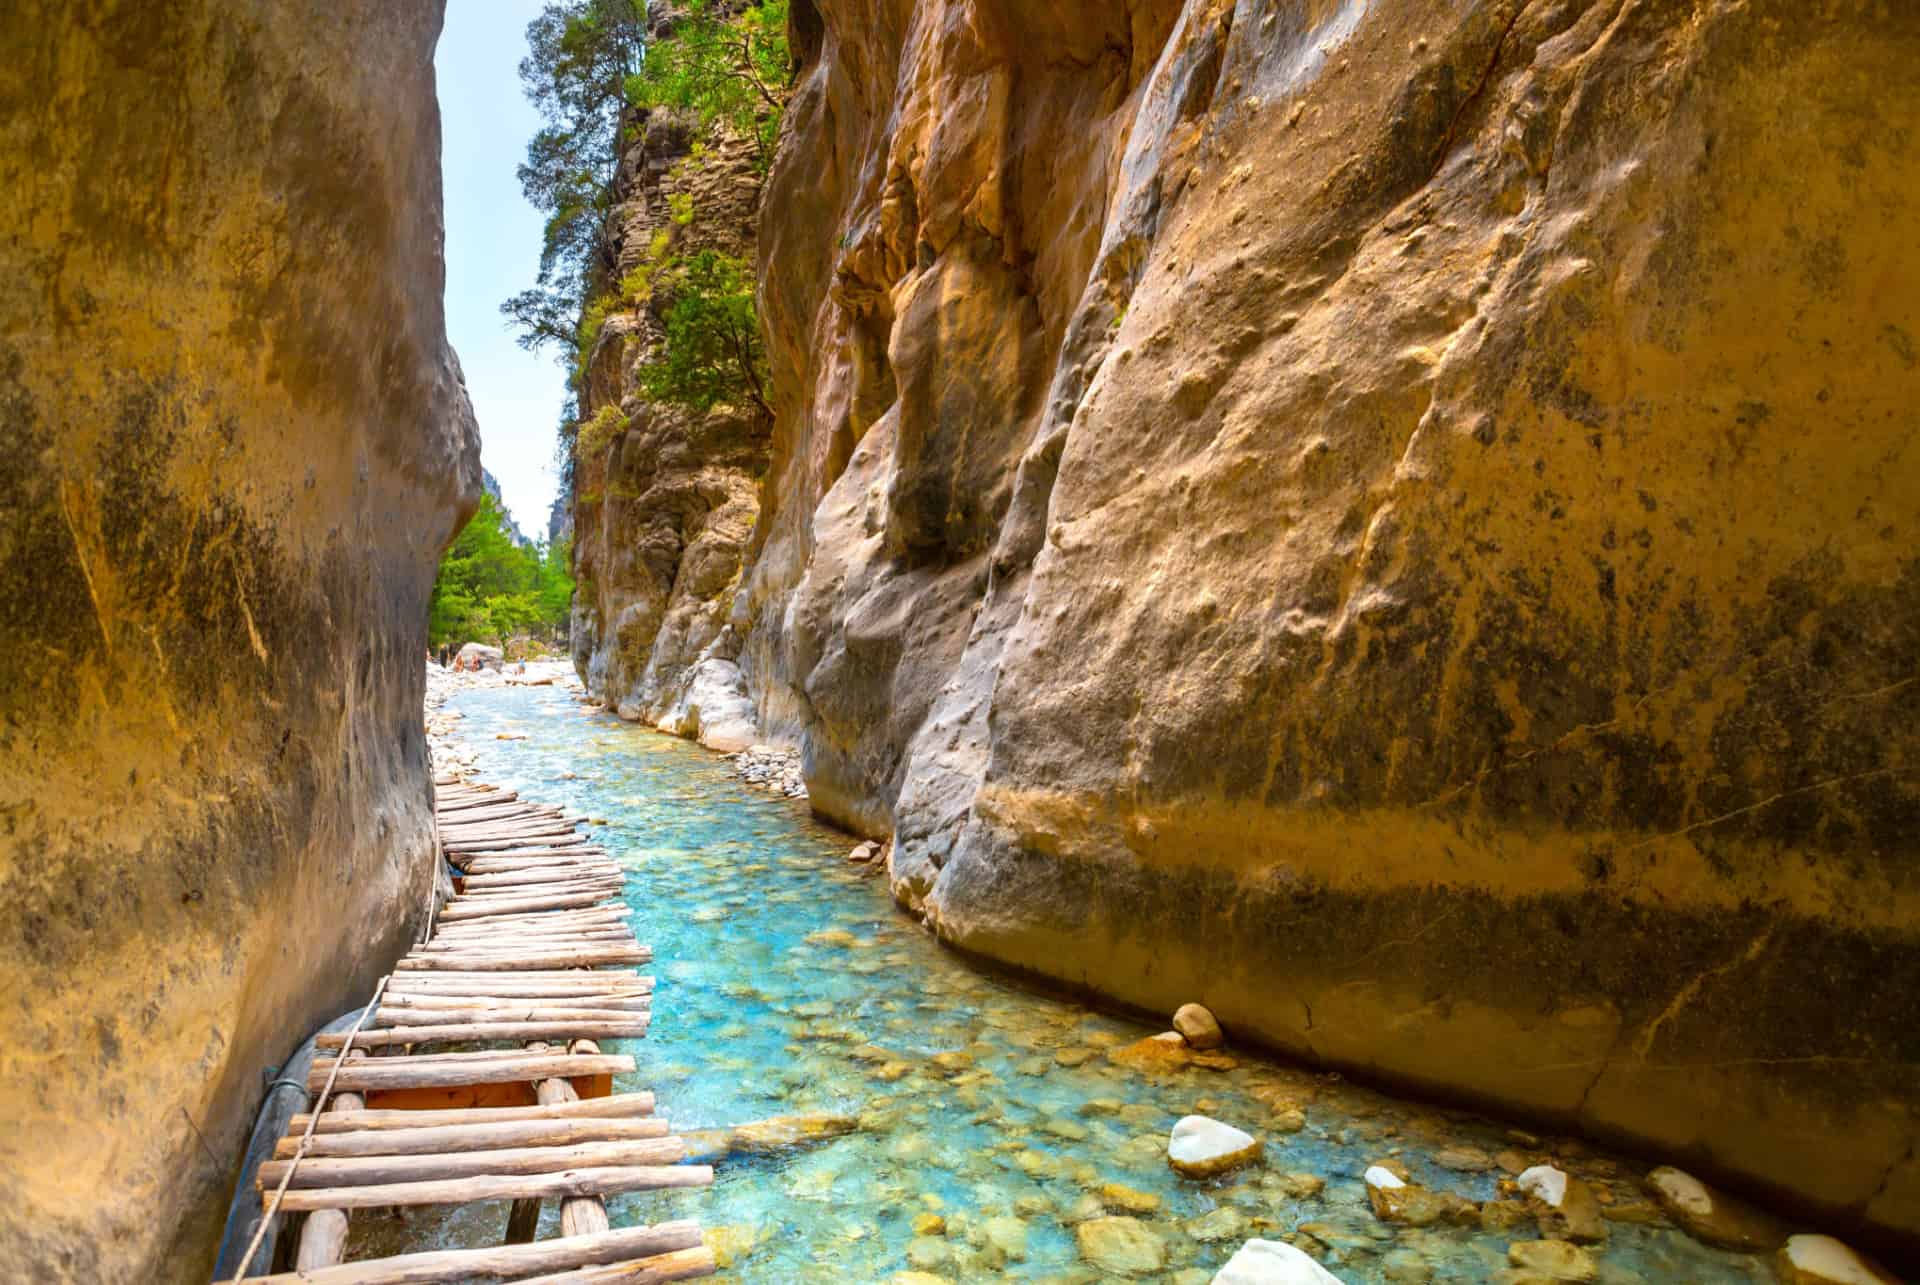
<point x="534" y="952"/>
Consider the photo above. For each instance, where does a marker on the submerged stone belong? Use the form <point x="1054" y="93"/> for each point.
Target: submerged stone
<point x="1272" y="1262"/>
<point x="1555" y="1259"/>
<point x="1200" y="1147"/>
<point x="1121" y="1245"/>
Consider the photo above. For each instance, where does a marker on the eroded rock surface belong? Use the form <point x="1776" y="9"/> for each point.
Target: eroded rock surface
<point x="666" y="498"/>
<point x="236" y="444"/>
<point x="1397" y="521"/>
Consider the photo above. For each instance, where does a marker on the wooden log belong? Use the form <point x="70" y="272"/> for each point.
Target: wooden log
<point x="595" y="917"/>
<point x="476" y="846"/>
<point x="579" y="1215"/>
<point x="631" y="1027"/>
<point x="459" y="1191"/>
<point x="440" y="1267"/>
<point x="487" y="909"/>
<point x="509" y="961"/>
<point x="425" y="1073"/>
<point x="505" y="986"/>
<point x="515" y="985"/>
<point x="522" y="934"/>
<point x="679" y="1265"/>
<point x="447" y="1139"/>
<point x="554" y="888"/>
<point x="546" y="874"/>
<point x="618" y="1106"/>
<point x="463" y="1008"/>
<point x="535" y="855"/>
<point x="366" y="1171"/>
<point x="517" y="1011"/>
<point x="323" y="1235"/>
<point x="476" y="834"/>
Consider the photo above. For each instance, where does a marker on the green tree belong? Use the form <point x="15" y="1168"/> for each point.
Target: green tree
<point x="734" y="70"/>
<point x="713" y="352"/>
<point x="580" y="56"/>
<point x="490" y="588"/>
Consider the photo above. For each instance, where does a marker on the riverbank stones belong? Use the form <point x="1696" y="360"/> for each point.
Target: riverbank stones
<point x="1568" y="1205"/>
<point x="1200" y="1147"/>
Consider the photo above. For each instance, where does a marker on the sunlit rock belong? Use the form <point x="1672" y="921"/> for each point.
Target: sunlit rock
<point x="1272" y="1262"/>
<point x="1197" y="1026"/>
<point x="1822" y="1260"/>
<point x="1200" y="1147"/>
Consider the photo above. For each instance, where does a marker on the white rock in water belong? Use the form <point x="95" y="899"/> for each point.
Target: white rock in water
<point x="1546" y="1182"/>
<point x="1271" y="1262"/>
<point x="1201" y="1148"/>
<point x="1382" y="1178"/>
<point x="1822" y="1260"/>
<point x="1711" y="1217"/>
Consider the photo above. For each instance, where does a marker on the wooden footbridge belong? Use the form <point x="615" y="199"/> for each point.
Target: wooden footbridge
<point x="534" y="952"/>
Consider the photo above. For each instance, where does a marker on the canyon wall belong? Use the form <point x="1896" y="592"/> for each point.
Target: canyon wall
<point x="666" y="496"/>
<point x="1395" y="521"/>
<point x="237" y="442"/>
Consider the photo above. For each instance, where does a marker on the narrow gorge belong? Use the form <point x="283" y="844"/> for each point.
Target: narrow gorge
<point x="1392" y="523"/>
<point x="1395" y="522"/>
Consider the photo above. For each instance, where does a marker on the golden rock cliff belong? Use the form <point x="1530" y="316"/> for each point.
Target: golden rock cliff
<point x="237" y="443"/>
<point x="1394" y="521"/>
<point x="666" y="497"/>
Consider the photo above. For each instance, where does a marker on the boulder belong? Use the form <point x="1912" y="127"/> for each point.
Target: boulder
<point x="1121" y="1245"/>
<point x="476" y="656"/>
<point x="1200" y="1147"/>
<point x="1822" y="1260"/>
<point x="865" y="852"/>
<point x="1709" y="1216"/>
<point x="1556" y="1259"/>
<point x="1271" y="1262"/>
<point x="1198" y="1027"/>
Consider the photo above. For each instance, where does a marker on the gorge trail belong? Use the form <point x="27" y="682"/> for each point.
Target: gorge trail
<point x="1392" y="521"/>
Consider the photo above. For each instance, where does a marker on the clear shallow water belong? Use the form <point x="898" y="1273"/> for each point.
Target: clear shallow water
<point x="789" y="985"/>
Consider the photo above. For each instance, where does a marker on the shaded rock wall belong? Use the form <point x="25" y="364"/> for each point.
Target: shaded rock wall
<point x="236" y="444"/>
<point x="665" y="508"/>
<point x="1394" y="521"/>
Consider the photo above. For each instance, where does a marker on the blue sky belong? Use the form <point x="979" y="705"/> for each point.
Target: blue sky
<point x="493" y="248"/>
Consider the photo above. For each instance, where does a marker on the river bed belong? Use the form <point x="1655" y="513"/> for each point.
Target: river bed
<point x="994" y="1123"/>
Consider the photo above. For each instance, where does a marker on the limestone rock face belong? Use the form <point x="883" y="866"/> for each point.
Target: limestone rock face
<point x="236" y="445"/>
<point x="665" y="499"/>
<point x="1254" y="482"/>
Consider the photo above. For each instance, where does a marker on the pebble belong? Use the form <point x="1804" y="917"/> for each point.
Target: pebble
<point x="1711" y="1217"/>
<point x="1271" y="1262"/>
<point x="1555" y="1259"/>
<point x="1121" y="1245"/>
<point x="1200" y="1147"/>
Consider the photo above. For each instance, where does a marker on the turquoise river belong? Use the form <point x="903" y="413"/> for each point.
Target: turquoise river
<point x="992" y="1126"/>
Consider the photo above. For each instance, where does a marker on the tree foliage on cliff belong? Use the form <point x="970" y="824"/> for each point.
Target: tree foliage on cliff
<point x="490" y="589"/>
<point x="580" y="56"/>
<point x="713" y="352"/>
<point x="731" y="70"/>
